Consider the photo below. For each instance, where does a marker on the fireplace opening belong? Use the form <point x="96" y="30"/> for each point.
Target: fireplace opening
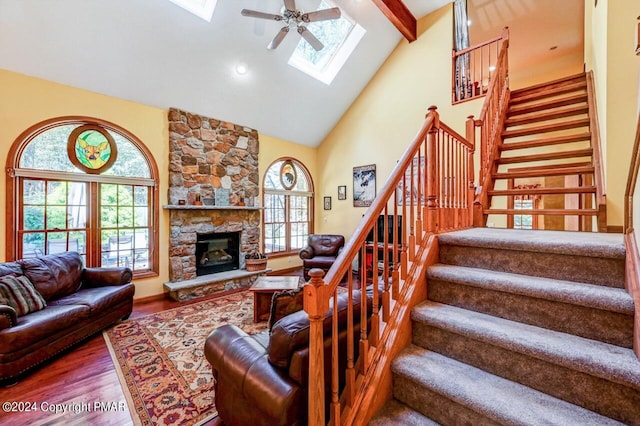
<point x="217" y="252"/>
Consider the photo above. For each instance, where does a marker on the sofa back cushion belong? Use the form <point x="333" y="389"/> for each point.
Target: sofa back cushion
<point x="10" y="268"/>
<point x="326" y="244"/>
<point x="55" y="275"/>
<point x="291" y="333"/>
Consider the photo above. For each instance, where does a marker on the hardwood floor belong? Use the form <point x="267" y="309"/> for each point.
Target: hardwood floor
<point x="77" y="380"/>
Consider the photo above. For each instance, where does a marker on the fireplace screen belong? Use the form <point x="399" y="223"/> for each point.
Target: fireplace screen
<point x="217" y="252"/>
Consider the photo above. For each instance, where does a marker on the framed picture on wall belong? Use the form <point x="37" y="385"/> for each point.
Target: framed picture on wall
<point x="364" y="185"/>
<point x="327" y="203"/>
<point x="342" y="192"/>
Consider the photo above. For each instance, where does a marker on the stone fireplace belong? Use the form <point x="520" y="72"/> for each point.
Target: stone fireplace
<point x="206" y="155"/>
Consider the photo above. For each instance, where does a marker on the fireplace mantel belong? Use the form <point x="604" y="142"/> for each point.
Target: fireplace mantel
<point x="191" y="207"/>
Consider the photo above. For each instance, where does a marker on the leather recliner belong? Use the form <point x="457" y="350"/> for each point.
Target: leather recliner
<point x="321" y="252"/>
<point x="263" y="379"/>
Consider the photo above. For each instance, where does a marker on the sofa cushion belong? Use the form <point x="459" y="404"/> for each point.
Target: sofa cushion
<point x="10" y="268"/>
<point x="41" y="325"/>
<point x="292" y="332"/>
<point x="19" y="293"/>
<point x="284" y="303"/>
<point x="55" y="275"/>
<point x="100" y="299"/>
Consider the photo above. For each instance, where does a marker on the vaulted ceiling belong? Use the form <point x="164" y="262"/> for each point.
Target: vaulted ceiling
<point x="155" y="53"/>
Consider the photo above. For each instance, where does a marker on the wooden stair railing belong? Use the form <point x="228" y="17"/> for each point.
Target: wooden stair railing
<point x="481" y="62"/>
<point x="632" y="269"/>
<point x="594" y="127"/>
<point x="430" y="190"/>
<point x="491" y="122"/>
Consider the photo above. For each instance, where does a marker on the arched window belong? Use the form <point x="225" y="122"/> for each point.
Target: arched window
<point x="86" y="185"/>
<point x="288" y="207"/>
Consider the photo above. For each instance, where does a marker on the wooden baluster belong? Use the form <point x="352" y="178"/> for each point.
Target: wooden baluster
<point x="396" y="266"/>
<point x="386" y="302"/>
<point x="412" y="237"/>
<point x="470" y="134"/>
<point x="316" y="305"/>
<point x="350" y="374"/>
<point x="419" y="200"/>
<point x="432" y="174"/>
<point x="335" y="364"/>
<point x="364" y="342"/>
<point x="375" y="278"/>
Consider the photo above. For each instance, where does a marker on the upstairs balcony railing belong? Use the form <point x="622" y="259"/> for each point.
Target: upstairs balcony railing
<point x="430" y="190"/>
<point x="473" y="68"/>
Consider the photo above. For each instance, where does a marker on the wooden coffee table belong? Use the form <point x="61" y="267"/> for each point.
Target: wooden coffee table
<point x="263" y="290"/>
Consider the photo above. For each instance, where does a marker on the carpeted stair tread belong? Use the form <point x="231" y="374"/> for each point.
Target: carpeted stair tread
<point x="505" y="401"/>
<point x="395" y="413"/>
<point x="588" y="295"/>
<point x="589" y="244"/>
<point x="592" y="357"/>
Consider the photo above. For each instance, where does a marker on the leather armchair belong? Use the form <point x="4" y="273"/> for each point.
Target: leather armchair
<point x="263" y="379"/>
<point x="321" y="251"/>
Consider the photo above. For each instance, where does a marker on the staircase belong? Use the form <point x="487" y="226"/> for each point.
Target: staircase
<point x="520" y="327"/>
<point x="547" y="157"/>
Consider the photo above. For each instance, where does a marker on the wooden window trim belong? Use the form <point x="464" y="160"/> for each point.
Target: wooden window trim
<point x="311" y="207"/>
<point x="13" y="194"/>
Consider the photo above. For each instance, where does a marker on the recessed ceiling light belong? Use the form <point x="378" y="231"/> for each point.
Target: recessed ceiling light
<point x="468" y="22"/>
<point x="241" y="68"/>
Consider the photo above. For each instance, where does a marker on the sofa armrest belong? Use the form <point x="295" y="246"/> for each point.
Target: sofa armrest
<point x="307" y="253"/>
<point x="8" y="317"/>
<point x="101" y="277"/>
<point x="239" y="359"/>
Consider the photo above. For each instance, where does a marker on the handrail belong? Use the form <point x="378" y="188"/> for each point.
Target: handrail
<point x="430" y="190"/>
<point x="472" y="68"/>
<point x="490" y="121"/>
<point x="594" y="127"/>
<point x="632" y="180"/>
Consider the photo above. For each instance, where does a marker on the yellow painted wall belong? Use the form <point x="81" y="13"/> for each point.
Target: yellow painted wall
<point x="272" y="149"/>
<point x="609" y="52"/>
<point x="386" y="116"/>
<point x="27" y="101"/>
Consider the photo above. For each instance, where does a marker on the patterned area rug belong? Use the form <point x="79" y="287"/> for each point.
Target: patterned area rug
<point x="160" y="359"/>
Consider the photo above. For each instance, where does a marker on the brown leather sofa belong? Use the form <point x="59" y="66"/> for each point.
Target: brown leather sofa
<point x="80" y="302"/>
<point x="263" y="379"/>
<point x="321" y="252"/>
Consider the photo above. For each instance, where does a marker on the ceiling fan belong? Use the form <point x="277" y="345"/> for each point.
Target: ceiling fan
<point x="292" y="17"/>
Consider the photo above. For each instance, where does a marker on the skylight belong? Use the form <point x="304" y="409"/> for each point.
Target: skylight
<point x="339" y="36"/>
<point x="201" y="8"/>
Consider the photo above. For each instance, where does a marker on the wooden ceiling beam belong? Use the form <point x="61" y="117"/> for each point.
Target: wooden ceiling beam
<point x="400" y="16"/>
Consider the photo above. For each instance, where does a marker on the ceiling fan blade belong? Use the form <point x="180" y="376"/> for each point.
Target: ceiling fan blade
<point x="290" y="5"/>
<point x="261" y="15"/>
<point x="311" y="39"/>
<point x="278" y="38"/>
<point x="322" y="15"/>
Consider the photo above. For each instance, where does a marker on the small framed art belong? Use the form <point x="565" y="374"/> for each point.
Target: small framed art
<point x="327" y="203"/>
<point x="342" y="192"/>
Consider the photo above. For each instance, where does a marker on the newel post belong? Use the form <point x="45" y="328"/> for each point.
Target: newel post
<point x="316" y="305"/>
<point x="432" y="172"/>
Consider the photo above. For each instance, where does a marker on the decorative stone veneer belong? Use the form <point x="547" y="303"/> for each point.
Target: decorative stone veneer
<point x="206" y="154"/>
